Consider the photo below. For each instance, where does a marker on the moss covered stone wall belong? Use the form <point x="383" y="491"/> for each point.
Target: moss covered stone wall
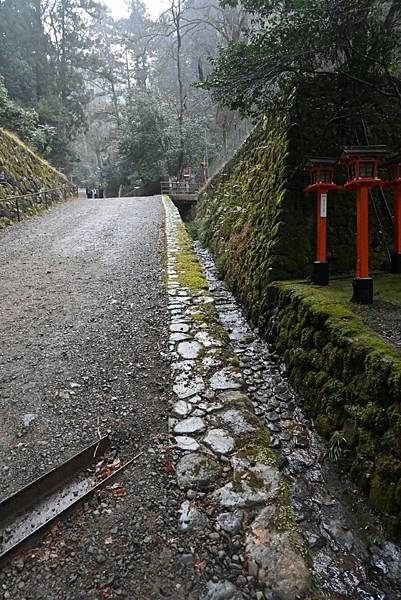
<point x="352" y="379"/>
<point x="243" y="216"/>
<point x="27" y="173"/>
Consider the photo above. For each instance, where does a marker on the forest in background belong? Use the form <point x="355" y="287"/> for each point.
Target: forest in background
<point x="125" y="102"/>
<point x="113" y="102"/>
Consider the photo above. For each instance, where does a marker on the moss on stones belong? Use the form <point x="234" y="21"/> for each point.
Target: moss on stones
<point x="27" y="173"/>
<point x="190" y="274"/>
<point x="256" y="449"/>
<point x="285" y="522"/>
<point x="350" y="376"/>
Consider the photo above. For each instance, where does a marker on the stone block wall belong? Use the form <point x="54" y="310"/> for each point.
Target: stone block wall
<point x="27" y="173"/>
<point x="259" y="226"/>
<point x="352" y="379"/>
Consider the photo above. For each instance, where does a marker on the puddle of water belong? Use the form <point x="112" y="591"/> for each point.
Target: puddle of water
<point x="351" y="556"/>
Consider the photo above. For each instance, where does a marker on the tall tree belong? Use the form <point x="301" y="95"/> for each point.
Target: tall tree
<point x="292" y="39"/>
<point x="67" y="23"/>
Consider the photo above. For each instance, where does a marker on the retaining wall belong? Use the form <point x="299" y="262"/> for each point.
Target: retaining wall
<point x="26" y="173"/>
<point x="259" y="226"/>
<point x="352" y="379"/>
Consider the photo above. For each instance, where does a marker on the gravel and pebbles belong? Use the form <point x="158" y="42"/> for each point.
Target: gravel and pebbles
<point x="84" y="344"/>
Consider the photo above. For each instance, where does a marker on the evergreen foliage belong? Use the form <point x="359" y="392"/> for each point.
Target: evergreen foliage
<point x="296" y="39"/>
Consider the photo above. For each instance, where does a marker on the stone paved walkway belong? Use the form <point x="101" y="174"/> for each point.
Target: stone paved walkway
<point x="237" y="508"/>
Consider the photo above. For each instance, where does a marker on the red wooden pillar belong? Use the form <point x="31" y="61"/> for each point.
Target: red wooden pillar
<point x="362" y="234"/>
<point x="363" y="284"/>
<point x="396" y="256"/>
<point x="362" y="163"/>
<point x="321" y="266"/>
<point x="397" y="218"/>
<point x="321" y="174"/>
<point x="321" y="219"/>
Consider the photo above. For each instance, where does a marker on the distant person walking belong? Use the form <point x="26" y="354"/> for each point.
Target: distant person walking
<point x="88" y="193"/>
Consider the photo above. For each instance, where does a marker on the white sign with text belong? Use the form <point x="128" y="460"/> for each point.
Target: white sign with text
<point x="323" y="205"/>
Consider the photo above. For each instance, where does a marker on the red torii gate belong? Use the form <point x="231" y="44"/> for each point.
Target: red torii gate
<point x="362" y="163"/>
<point x="321" y="173"/>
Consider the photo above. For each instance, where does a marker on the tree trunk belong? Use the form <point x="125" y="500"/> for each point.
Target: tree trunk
<point x="177" y="23"/>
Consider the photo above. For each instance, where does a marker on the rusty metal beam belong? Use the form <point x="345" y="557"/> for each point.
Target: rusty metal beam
<point x="35" y="507"/>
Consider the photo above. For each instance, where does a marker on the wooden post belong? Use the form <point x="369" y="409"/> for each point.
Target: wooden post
<point x="321" y="218"/>
<point x="362" y="234"/>
<point x="363" y="284"/>
<point x="396" y="256"/>
<point x="320" y="267"/>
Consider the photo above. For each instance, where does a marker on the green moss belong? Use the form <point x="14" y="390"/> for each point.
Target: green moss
<point x="383" y="496"/>
<point x="27" y="173"/>
<point x="255" y="482"/>
<point x="285" y="521"/>
<point x="260" y="227"/>
<point x="189" y="272"/>
<point x="393" y="526"/>
<point x="240" y="476"/>
<point x="351" y="377"/>
<point x="256" y="448"/>
<point x="326" y="425"/>
<point x="374" y="417"/>
<point x="235" y="362"/>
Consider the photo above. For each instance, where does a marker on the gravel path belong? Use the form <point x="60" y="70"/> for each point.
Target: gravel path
<point x="84" y="343"/>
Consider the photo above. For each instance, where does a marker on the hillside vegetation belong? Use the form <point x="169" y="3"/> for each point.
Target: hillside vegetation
<point x="26" y="173"/>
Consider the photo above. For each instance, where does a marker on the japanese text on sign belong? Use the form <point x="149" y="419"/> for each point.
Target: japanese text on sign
<point x="323" y="205"/>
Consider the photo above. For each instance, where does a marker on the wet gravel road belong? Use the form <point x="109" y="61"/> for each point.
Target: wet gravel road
<point x="82" y="305"/>
<point x="83" y="333"/>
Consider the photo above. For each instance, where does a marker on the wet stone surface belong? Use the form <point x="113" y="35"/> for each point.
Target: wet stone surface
<point x="219" y="441"/>
<point x="351" y="559"/>
<point x="197" y="471"/>
<point x="212" y="421"/>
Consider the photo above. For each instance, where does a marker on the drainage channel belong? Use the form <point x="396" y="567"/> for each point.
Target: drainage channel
<point x="30" y="511"/>
<point x="351" y="558"/>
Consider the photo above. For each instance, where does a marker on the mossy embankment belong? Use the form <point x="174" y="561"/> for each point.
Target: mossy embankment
<point x="351" y="377"/>
<point x="26" y="173"/>
<point x="259" y="225"/>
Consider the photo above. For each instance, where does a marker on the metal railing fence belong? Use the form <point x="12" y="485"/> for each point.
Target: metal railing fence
<point x="45" y="197"/>
<point x="232" y="142"/>
<point x="178" y="188"/>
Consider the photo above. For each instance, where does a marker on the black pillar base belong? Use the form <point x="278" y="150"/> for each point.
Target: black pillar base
<point x="396" y="263"/>
<point x="320" y="275"/>
<point x="363" y="290"/>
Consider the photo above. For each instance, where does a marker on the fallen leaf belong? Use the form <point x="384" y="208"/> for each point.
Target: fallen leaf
<point x="108" y="540"/>
<point x="117" y="489"/>
<point x="104" y="592"/>
<point x="168" y="448"/>
<point x="199" y="566"/>
<point x="63" y="394"/>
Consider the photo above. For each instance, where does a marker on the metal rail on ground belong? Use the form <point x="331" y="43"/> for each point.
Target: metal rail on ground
<point x="31" y="510"/>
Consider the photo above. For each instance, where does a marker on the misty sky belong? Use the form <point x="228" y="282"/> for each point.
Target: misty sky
<point x="118" y="9"/>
